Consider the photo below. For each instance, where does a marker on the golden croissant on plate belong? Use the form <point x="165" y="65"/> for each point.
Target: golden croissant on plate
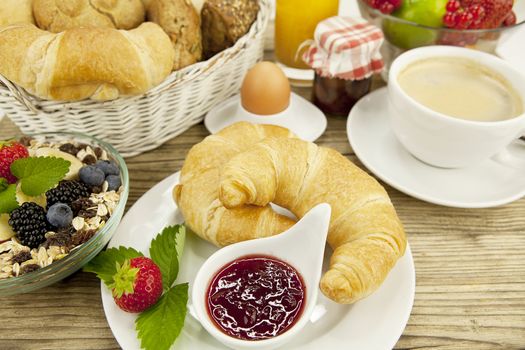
<point x="197" y="194"/>
<point x="365" y="232"/>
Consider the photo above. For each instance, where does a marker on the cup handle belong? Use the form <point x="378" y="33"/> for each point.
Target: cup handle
<point x="508" y="158"/>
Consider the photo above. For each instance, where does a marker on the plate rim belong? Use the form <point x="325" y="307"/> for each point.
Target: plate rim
<point x="404" y="189"/>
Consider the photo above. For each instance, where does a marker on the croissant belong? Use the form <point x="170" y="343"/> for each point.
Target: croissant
<point x="198" y="191"/>
<point x="365" y="233"/>
<point x="80" y="63"/>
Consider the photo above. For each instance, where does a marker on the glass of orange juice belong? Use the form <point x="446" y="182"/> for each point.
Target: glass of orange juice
<point x="295" y="23"/>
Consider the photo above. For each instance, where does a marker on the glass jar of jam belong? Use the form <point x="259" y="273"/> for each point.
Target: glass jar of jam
<point x="345" y="54"/>
<point x="335" y="96"/>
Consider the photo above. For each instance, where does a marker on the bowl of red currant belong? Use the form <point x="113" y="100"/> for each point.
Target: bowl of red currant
<point x="477" y="24"/>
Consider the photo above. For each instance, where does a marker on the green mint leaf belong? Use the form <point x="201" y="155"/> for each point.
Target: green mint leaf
<point x="105" y="263"/>
<point x="165" y="251"/>
<point x="8" y="201"/>
<point x="159" y="326"/>
<point x="3" y="184"/>
<point x="39" y="174"/>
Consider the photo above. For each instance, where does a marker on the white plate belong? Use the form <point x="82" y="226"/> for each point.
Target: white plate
<point x="375" y="323"/>
<point x="302" y="117"/>
<point x="488" y="184"/>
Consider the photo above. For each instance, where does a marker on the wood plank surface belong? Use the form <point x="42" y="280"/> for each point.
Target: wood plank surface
<point x="470" y="266"/>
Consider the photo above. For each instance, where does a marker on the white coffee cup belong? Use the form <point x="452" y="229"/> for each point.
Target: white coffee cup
<point x="445" y="141"/>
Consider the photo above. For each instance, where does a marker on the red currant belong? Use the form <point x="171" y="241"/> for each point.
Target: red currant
<point x="450" y="19"/>
<point x="453" y="6"/>
<point x="464" y="20"/>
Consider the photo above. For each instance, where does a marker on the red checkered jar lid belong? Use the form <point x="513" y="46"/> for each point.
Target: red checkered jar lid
<point x="345" y="48"/>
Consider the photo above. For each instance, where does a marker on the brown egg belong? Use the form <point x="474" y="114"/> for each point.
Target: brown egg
<point x="265" y="89"/>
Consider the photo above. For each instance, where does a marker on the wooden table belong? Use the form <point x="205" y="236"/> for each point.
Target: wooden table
<point x="470" y="266"/>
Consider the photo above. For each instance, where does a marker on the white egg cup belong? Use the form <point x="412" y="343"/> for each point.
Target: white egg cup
<point x="302" y="246"/>
<point x="301" y="116"/>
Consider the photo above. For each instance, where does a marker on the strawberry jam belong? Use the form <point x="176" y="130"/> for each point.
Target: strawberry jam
<point x="256" y="298"/>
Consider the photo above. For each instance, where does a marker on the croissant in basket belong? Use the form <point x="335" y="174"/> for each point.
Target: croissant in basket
<point x="80" y="63"/>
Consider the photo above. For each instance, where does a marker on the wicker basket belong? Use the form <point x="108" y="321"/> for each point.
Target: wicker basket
<point x="137" y="124"/>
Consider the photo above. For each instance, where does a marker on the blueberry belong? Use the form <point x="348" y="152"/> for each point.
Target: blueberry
<point x="113" y="182"/>
<point x="91" y="175"/>
<point x="59" y="215"/>
<point x="109" y="168"/>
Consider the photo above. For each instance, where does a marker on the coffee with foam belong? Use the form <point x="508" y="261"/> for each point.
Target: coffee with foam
<point x="461" y="88"/>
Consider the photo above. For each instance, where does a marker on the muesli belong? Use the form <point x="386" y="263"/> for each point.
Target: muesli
<point x="54" y="197"/>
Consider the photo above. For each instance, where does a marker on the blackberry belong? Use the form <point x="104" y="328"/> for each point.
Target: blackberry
<point x="29" y="223"/>
<point x="67" y="192"/>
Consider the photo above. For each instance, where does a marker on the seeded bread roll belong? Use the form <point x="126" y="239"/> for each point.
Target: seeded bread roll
<point x="59" y="15"/>
<point x="181" y="21"/>
<point x="15" y="11"/>
<point x="224" y="22"/>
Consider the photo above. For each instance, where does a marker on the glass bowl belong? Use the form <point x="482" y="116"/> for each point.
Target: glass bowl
<point x="77" y="258"/>
<point x="402" y="35"/>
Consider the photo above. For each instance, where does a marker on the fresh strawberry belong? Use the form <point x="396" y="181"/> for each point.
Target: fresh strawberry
<point x="137" y="285"/>
<point x="9" y="152"/>
<point x="477" y="14"/>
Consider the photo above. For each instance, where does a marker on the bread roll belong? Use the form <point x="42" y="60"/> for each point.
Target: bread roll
<point x="181" y="21"/>
<point x="59" y="15"/>
<point x="80" y="63"/>
<point x="15" y="11"/>
<point x="365" y="233"/>
<point x="224" y="22"/>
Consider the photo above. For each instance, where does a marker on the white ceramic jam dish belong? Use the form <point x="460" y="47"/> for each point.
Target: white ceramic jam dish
<point x="301" y="247"/>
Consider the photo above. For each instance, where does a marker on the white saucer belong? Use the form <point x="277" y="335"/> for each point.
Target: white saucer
<point x="298" y="77"/>
<point x="488" y="184"/>
<point x="302" y="117"/>
<point x="510" y="45"/>
<point x="374" y="323"/>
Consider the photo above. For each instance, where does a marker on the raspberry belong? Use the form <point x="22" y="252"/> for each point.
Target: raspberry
<point x="477" y="14"/>
<point x="9" y="152"/>
<point x="29" y="223"/>
<point x="385" y="6"/>
<point x="67" y="192"/>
